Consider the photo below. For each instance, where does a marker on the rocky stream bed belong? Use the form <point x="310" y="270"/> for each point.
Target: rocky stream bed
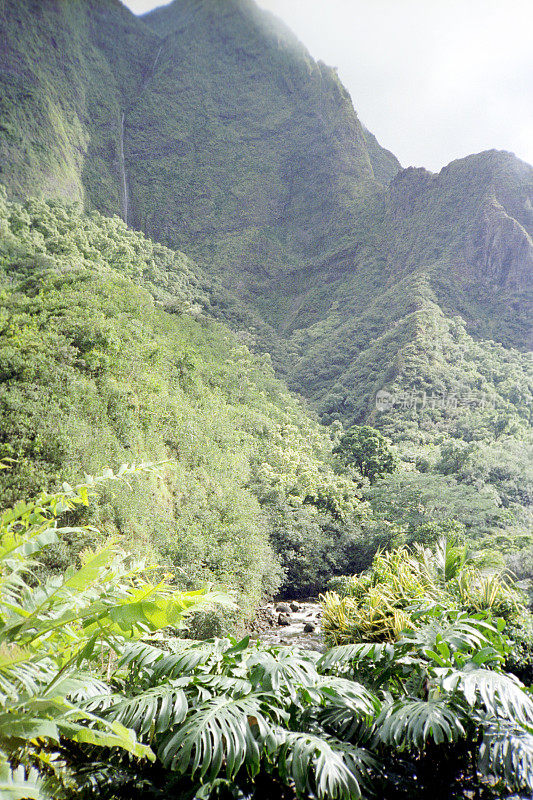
<point x="296" y="623"/>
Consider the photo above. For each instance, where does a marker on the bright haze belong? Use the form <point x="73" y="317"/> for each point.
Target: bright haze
<point x="434" y="80"/>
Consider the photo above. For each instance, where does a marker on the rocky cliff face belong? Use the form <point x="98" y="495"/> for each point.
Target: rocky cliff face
<point x="265" y="154"/>
<point x="68" y="70"/>
<point x="479" y="211"/>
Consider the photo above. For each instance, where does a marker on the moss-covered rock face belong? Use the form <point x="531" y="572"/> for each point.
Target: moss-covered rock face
<point x="223" y="134"/>
<point x="270" y="157"/>
<point x="69" y="68"/>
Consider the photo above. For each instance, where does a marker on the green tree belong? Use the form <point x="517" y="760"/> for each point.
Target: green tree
<point x="368" y="450"/>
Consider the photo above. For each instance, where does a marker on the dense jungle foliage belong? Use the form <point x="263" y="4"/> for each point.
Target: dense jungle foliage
<point x="334" y="401"/>
<point x="94" y="702"/>
<point x="95" y="371"/>
<point x="117" y="340"/>
<point x="110" y="349"/>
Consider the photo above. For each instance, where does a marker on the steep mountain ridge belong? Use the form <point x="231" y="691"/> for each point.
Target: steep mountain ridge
<point x="68" y="71"/>
<point x="269" y="155"/>
<point x="225" y="139"/>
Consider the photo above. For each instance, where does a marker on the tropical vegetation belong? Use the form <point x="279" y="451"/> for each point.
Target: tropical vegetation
<point x="100" y="699"/>
<point x="333" y="399"/>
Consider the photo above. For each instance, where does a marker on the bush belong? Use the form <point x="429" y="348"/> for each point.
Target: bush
<point x="388" y="599"/>
<point x="59" y="639"/>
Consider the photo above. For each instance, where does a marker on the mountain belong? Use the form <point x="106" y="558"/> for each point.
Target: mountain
<point x="68" y="70"/>
<point x="208" y="127"/>
<point x="110" y="354"/>
<point x="445" y="246"/>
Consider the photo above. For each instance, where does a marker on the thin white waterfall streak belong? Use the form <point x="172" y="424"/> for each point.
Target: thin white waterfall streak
<point x="123" y="171"/>
<point x="157" y="59"/>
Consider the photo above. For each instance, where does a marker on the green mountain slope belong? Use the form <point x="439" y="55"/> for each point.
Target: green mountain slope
<point x="69" y="69"/>
<point x="213" y="130"/>
<point x="445" y="246"/>
<point x="209" y="127"/>
<point x="97" y="368"/>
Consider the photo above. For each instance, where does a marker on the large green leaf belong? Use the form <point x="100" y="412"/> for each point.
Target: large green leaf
<point x="20" y="783"/>
<point x="347" y="654"/>
<point x="324" y="767"/>
<point x="156" y="710"/>
<point x="507" y="751"/>
<point x="222" y="734"/>
<point x="500" y="694"/>
<point x="408" y="723"/>
<point x="281" y="669"/>
<point x="344" y="705"/>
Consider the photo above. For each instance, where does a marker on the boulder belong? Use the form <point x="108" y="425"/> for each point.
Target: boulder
<point x="284" y="608"/>
<point x="309" y="627"/>
<point x="284" y="619"/>
<point x="295" y="606"/>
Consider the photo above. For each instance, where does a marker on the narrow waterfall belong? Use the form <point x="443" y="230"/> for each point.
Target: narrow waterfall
<point x="124" y="192"/>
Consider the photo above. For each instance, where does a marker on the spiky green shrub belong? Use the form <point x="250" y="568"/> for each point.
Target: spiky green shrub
<point x="386" y="600"/>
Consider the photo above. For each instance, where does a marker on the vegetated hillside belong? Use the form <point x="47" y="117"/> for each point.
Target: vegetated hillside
<point x="227" y="140"/>
<point x="237" y="145"/>
<point x="94" y="372"/>
<point x="110" y="353"/>
<point x="270" y="157"/>
<point x="284" y="194"/>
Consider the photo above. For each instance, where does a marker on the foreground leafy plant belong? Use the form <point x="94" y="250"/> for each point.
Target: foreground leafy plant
<point x="447" y="706"/>
<point x="58" y="639"/>
<point x="226" y="719"/>
<point x="94" y="704"/>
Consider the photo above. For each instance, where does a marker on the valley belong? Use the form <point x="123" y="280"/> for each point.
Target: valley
<point x="266" y="453"/>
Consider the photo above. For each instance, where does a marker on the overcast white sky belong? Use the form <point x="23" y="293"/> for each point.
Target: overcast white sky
<point x="433" y="79"/>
